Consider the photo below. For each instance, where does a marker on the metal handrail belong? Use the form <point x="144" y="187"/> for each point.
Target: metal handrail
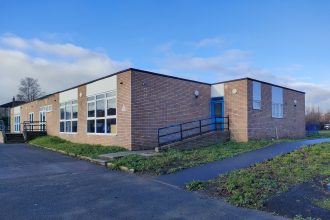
<point x="34" y="126"/>
<point x="215" y="122"/>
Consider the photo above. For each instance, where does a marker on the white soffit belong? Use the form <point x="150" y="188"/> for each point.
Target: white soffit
<point x="101" y="86"/>
<point x="217" y="90"/>
<point x="69" y="95"/>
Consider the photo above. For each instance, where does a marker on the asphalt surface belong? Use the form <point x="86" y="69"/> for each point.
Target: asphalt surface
<point x="214" y="169"/>
<point x="39" y="184"/>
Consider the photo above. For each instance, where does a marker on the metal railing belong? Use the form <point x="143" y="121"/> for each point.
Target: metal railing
<point x="34" y="126"/>
<point x="179" y="132"/>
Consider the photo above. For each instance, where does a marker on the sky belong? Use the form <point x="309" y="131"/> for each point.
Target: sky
<point x="63" y="43"/>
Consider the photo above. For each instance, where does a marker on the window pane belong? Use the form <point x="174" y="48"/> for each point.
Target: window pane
<point x="100" y="124"/>
<point x="100" y="96"/>
<point x="111" y="125"/>
<point x="68" y="126"/>
<point x="74" y="111"/>
<point x="91" y="109"/>
<point x="62" y="113"/>
<point x="67" y="111"/>
<point x="111" y="110"/>
<point x="91" y="126"/>
<point x="61" y="126"/>
<point x="100" y="108"/>
<point x="91" y="98"/>
<point x="74" y="126"/>
<point x="111" y="94"/>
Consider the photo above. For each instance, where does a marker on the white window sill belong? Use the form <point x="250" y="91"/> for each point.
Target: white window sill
<point x="102" y="134"/>
<point x="68" y="132"/>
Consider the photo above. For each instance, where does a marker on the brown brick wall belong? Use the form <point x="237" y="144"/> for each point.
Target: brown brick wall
<point x="261" y="123"/>
<point x="159" y="101"/>
<point x="123" y="136"/>
<point x="236" y="109"/>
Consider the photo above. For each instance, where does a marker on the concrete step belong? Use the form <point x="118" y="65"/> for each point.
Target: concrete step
<point x="14" y="138"/>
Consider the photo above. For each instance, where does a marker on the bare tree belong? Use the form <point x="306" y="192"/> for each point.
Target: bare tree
<point x="29" y="90"/>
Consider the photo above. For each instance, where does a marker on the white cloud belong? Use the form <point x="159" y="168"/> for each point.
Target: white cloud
<point x="215" y="42"/>
<point x="56" y="66"/>
<point x="235" y="63"/>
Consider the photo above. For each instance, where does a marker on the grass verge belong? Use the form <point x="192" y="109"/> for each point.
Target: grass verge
<point x="172" y="160"/>
<point x="323" y="203"/>
<point x="252" y="186"/>
<point x="87" y="150"/>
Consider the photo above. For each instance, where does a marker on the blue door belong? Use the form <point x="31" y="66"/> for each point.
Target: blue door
<point x="218" y="112"/>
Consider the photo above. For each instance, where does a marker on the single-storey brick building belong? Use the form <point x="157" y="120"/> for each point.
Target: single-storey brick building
<point x="128" y="107"/>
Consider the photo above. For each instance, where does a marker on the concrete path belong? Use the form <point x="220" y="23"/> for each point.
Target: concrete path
<point x="40" y="184"/>
<point x="214" y="169"/>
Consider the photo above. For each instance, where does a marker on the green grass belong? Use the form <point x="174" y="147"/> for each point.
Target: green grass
<point x="87" y="150"/>
<point x="323" y="203"/>
<point x="195" y="185"/>
<point x="173" y="160"/>
<point x="252" y="186"/>
<point x="322" y="134"/>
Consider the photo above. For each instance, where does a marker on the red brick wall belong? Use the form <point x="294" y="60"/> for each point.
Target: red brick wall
<point x="123" y="136"/>
<point x="236" y="109"/>
<point x="263" y="125"/>
<point x="159" y="101"/>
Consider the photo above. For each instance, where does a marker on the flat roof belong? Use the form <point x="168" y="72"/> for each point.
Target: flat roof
<point x="248" y="78"/>
<point x="158" y="74"/>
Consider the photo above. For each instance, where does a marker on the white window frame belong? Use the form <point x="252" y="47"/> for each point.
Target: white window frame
<point x="277" y="102"/>
<point x="107" y="96"/>
<point x="31" y="120"/>
<point x="256" y="95"/>
<point x="63" y="105"/>
<point x="17" y="123"/>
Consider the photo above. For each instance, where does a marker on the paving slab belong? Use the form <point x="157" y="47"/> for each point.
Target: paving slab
<point x="244" y="160"/>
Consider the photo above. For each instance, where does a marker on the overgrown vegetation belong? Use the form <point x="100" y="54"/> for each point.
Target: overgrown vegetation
<point x="323" y="203"/>
<point x="252" y="186"/>
<point x="173" y="160"/>
<point x="87" y="150"/>
<point x="195" y="185"/>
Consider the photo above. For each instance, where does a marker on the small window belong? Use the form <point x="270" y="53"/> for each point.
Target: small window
<point x="100" y="108"/>
<point x="111" y="109"/>
<point x="100" y="125"/>
<point x="74" y="111"/>
<point x="91" y="126"/>
<point x="61" y="126"/>
<point x="256" y="95"/>
<point x="277" y="102"/>
<point x="74" y="126"/>
<point x="91" y="109"/>
<point x="111" y="125"/>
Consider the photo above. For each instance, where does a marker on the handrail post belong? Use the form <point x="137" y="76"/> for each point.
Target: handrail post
<point x="200" y="127"/>
<point x="215" y="123"/>
<point x="181" y="132"/>
<point x="158" y="138"/>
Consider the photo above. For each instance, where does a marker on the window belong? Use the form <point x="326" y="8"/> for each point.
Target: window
<point x="102" y="113"/>
<point x="277" y="102"/>
<point x="69" y="117"/>
<point x="256" y="95"/>
<point x="17" y="123"/>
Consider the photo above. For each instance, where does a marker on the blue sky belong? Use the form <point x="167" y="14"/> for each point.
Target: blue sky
<point x="284" y="42"/>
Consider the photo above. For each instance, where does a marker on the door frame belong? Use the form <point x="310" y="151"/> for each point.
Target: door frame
<point x="218" y="100"/>
<point x="31" y="116"/>
<point x="42" y="124"/>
